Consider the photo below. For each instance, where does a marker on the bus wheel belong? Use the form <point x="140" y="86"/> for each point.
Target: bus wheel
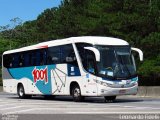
<point x="110" y="98"/>
<point x="76" y="94"/>
<point x="21" y="92"/>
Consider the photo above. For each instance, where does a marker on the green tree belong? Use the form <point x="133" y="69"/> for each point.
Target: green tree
<point x="136" y="21"/>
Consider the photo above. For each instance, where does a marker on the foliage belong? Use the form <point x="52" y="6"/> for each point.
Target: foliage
<point x="136" y="21"/>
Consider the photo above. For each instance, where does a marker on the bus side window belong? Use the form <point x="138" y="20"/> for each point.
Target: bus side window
<point x="38" y="58"/>
<point x="33" y="58"/>
<point x="26" y="59"/>
<point x="30" y="58"/>
<point x="68" y="55"/>
<point x="87" y="57"/>
<point x="7" y="60"/>
<point x="43" y="56"/>
<point x="15" y="62"/>
<point x="53" y="55"/>
<point x="90" y="61"/>
<point x="21" y="60"/>
<point x="11" y="60"/>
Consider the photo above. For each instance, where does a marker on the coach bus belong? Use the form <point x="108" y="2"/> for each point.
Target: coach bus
<point x="76" y="66"/>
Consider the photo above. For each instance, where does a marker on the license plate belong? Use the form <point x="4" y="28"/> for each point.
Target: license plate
<point x="122" y="91"/>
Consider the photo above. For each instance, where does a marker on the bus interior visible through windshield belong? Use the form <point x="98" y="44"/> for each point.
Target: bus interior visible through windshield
<point x="116" y="62"/>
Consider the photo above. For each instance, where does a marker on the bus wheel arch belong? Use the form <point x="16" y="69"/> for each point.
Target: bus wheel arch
<point x="21" y="91"/>
<point x="75" y="91"/>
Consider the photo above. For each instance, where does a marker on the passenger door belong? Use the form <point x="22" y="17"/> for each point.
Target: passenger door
<point x="90" y="67"/>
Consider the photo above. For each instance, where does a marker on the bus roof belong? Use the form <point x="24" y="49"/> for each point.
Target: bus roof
<point x="83" y="39"/>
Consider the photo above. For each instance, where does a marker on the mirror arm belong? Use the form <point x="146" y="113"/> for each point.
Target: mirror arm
<point x="140" y="53"/>
<point x="96" y="52"/>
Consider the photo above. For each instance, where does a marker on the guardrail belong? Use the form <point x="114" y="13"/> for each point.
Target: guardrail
<point x="149" y="91"/>
<point x="1" y="88"/>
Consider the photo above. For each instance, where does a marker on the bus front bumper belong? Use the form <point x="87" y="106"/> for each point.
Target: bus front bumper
<point x="109" y="91"/>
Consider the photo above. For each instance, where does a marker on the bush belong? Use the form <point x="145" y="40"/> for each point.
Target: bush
<point x="149" y="72"/>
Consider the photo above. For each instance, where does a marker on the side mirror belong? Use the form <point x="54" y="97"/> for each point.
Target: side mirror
<point x="140" y="53"/>
<point x="96" y="52"/>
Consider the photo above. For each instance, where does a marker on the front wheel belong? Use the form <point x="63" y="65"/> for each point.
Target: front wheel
<point x="76" y="94"/>
<point x="110" y="98"/>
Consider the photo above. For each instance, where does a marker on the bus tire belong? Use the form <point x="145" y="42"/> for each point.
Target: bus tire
<point x="21" y="92"/>
<point x="76" y="94"/>
<point x="110" y="98"/>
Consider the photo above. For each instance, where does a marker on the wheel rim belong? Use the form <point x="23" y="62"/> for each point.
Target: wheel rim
<point x="76" y="92"/>
<point x="21" y="91"/>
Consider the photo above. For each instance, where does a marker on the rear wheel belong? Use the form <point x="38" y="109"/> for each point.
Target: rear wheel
<point x="76" y="94"/>
<point x="21" y="92"/>
<point x="110" y="98"/>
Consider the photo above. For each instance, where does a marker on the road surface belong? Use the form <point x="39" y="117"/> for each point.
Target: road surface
<point x="63" y="108"/>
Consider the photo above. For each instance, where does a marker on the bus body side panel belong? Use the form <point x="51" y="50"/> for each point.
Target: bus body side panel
<point x="43" y="80"/>
<point x="62" y="76"/>
<point x="36" y="79"/>
<point x="59" y="79"/>
<point x="10" y="84"/>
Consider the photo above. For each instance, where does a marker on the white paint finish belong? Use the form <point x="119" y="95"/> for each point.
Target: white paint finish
<point x="85" y="39"/>
<point x="60" y="81"/>
<point x="96" y="52"/>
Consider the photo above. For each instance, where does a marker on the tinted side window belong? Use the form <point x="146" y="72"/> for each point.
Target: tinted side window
<point x="43" y="56"/>
<point x="81" y="50"/>
<point x="7" y="60"/>
<point x="89" y="62"/>
<point x="37" y="57"/>
<point x="54" y="54"/>
<point x="87" y="57"/>
<point x="27" y="59"/>
<point x="21" y="59"/>
<point x="15" y="60"/>
<point x="68" y="55"/>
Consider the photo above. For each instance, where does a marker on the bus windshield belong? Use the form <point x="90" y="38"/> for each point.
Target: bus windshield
<point x="116" y="62"/>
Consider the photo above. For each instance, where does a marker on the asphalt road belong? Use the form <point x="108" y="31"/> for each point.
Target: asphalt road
<point x="63" y="108"/>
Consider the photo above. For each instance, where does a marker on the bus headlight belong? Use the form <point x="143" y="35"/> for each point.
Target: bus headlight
<point x="101" y="82"/>
<point x="105" y="84"/>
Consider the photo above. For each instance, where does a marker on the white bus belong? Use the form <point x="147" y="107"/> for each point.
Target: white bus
<point x="76" y="66"/>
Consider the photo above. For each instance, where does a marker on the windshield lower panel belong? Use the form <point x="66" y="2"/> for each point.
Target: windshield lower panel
<point x="116" y="62"/>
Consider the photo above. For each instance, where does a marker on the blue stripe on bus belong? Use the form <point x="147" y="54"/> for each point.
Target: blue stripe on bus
<point x="26" y="72"/>
<point x="45" y="88"/>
